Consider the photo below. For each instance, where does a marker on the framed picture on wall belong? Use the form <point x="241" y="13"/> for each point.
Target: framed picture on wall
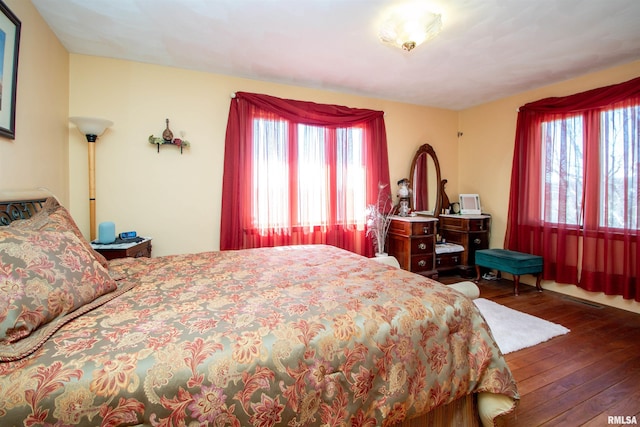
<point x="9" y="46"/>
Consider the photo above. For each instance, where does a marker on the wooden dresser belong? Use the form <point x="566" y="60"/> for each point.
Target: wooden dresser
<point x="469" y="231"/>
<point x="412" y="242"/>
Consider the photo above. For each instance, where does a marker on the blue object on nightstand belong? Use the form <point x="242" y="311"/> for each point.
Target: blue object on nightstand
<point x="106" y="232"/>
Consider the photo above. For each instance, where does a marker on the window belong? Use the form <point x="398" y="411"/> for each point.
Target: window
<point x="575" y="188"/>
<point x="564" y="169"/>
<point x="619" y="181"/>
<point x="299" y="172"/>
<point x="301" y="196"/>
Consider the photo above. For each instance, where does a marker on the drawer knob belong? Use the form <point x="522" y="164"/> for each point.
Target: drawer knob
<point x="422" y="246"/>
<point x="422" y="263"/>
<point x="477" y="241"/>
<point x="425" y="230"/>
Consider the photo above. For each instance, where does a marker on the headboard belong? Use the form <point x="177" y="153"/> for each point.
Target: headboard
<point x="15" y="205"/>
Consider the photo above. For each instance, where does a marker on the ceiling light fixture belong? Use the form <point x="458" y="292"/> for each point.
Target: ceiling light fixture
<point x="406" y="27"/>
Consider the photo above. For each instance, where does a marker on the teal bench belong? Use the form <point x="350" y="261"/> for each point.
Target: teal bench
<point x="516" y="263"/>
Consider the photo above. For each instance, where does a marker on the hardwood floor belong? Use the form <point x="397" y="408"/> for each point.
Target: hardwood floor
<point x="581" y="378"/>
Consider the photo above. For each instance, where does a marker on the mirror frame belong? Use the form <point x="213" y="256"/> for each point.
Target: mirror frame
<point x="428" y="150"/>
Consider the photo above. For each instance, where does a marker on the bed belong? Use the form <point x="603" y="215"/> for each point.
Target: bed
<point x="292" y="336"/>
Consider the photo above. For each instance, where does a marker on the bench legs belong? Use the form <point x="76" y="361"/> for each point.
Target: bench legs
<point x="538" y="279"/>
<point x="477" y="279"/>
<point x="516" y="280"/>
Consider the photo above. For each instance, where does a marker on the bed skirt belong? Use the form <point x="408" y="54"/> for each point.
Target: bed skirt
<point x="460" y="412"/>
<point x="472" y="410"/>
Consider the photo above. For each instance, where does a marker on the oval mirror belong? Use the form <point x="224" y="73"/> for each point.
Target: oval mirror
<point x="425" y="180"/>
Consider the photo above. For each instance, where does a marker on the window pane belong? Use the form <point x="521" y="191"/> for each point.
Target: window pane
<point x="620" y="147"/>
<point x="351" y="179"/>
<point x="313" y="179"/>
<point x="563" y="170"/>
<point x="270" y="175"/>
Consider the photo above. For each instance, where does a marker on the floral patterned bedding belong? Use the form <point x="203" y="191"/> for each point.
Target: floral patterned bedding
<point x="301" y="335"/>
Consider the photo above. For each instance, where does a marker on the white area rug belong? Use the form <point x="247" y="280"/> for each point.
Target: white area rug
<point x="514" y="330"/>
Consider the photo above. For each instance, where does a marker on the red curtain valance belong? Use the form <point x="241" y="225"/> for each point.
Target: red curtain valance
<point x="310" y="113"/>
<point x="588" y="100"/>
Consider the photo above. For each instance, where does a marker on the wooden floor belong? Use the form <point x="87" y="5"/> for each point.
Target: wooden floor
<point x="580" y="378"/>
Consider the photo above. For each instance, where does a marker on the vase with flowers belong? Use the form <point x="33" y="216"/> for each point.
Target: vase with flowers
<point x="379" y="219"/>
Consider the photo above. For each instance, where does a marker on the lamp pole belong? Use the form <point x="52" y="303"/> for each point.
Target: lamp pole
<point x="91" y="139"/>
<point x="91" y="128"/>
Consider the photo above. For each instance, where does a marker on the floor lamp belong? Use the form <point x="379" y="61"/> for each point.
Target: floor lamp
<point x="92" y="128"/>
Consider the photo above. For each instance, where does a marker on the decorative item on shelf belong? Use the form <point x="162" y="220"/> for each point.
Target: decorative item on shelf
<point x="404" y="194"/>
<point x="167" y="135"/>
<point x="379" y="219"/>
<point x="167" y="138"/>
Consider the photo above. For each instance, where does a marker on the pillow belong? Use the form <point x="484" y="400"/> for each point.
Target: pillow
<point x="44" y="275"/>
<point x="54" y="216"/>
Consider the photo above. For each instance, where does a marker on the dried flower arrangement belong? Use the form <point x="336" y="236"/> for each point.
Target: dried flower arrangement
<point x="379" y="219"/>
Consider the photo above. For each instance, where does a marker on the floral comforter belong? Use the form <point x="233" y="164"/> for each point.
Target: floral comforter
<point x="306" y="335"/>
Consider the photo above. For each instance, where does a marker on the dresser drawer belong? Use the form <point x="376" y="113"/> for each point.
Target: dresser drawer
<point x="407" y="228"/>
<point x="422" y="245"/>
<point x="449" y="223"/>
<point x="481" y="224"/>
<point x="451" y="260"/>
<point x="478" y="241"/>
<point x="423" y="228"/>
<point x="464" y="223"/>
<point x="420" y="263"/>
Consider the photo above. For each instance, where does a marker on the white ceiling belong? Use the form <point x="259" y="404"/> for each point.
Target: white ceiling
<point x="488" y="49"/>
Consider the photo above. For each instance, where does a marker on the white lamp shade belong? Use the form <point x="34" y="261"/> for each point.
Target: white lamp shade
<point x="91" y="125"/>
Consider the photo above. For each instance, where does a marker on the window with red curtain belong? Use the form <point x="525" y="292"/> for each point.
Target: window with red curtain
<point x="298" y="172"/>
<point x="575" y="188"/>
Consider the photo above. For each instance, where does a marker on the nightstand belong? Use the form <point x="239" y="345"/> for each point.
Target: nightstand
<point x="123" y="250"/>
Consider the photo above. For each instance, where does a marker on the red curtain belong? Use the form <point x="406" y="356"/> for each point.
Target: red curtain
<point x="576" y="238"/>
<point x="238" y="227"/>
<point x="421" y="194"/>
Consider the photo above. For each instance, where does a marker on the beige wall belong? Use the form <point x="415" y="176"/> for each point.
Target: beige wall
<point x="38" y="155"/>
<point x="175" y="198"/>
<point x="485" y="153"/>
